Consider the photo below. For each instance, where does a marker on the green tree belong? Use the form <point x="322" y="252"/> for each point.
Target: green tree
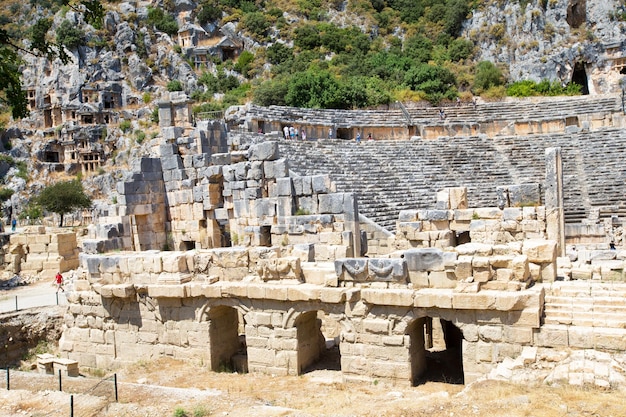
<point x="70" y="35"/>
<point x="313" y="89"/>
<point x="460" y="49"/>
<point x="436" y="82"/>
<point x="487" y="76"/>
<point x="456" y="13"/>
<point x="209" y="12"/>
<point x="257" y="24"/>
<point x="278" y="53"/>
<point x="419" y="48"/>
<point x="63" y="197"/>
<point x="271" y="93"/>
<point x="244" y="63"/>
<point x="162" y="21"/>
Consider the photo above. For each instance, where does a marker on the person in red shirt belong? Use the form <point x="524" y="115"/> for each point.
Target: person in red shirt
<point x="59" y="281"/>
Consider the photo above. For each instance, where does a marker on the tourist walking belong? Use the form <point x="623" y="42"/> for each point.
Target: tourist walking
<point x="58" y="279"/>
<point x="303" y="134"/>
<point x="330" y="133"/>
<point x="358" y="138"/>
<point x="286" y="132"/>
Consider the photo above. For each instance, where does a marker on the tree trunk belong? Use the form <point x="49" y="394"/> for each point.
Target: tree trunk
<point x="61" y="221"/>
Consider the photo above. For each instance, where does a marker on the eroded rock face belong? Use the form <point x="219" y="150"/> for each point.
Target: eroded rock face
<point x="576" y="13"/>
<point x="545" y="40"/>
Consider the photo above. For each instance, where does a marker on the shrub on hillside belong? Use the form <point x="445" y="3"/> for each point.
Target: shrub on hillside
<point x="162" y="21"/>
<point x="175" y="85"/>
<point x="436" y="82"/>
<point x="209" y="12"/>
<point x="528" y="88"/>
<point x="70" y="35"/>
<point x="244" y="63"/>
<point x="487" y="76"/>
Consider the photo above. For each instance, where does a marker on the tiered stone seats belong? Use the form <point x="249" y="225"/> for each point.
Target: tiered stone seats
<point x="339" y="118"/>
<point x="389" y="176"/>
<point x="586" y="304"/>
<point x="507" y="111"/>
<point x="524" y="109"/>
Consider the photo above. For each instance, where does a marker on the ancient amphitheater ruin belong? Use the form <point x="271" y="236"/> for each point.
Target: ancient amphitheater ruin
<point x="442" y="248"/>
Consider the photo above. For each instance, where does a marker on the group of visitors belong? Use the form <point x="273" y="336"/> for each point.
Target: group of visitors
<point x="358" y="137"/>
<point x="292" y="133"/>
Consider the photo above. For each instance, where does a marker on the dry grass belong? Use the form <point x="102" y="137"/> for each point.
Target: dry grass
<point x="158" y="388"/>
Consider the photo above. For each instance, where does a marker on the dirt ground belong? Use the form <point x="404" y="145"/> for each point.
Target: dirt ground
<point x="168" y="387"/>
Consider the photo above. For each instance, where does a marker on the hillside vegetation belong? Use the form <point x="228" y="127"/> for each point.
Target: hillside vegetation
<point x="303" y="53"/>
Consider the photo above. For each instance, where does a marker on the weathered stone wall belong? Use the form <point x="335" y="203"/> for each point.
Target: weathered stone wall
<point x="36" y="252"/>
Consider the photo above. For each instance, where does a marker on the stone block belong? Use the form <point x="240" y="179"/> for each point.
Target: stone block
<point x="387" y="297"/>
<point x="407" y="216"/>
<point x="264" y="151"/>
<point x="351" y="269"/>
<point x="551" y="336"/>
<point x="458" y="198"/>
<point x="427" y="259"/>
<point x="387" y="269"/>
<point x="427" y="298"/>
<point x="376" y="326"/>
<point x="331" y="203"/>
<point x="441" y="279"/>
<point x="479" y="301"/>
<point x="321" y="184"/>
<point x="539" y="251"/>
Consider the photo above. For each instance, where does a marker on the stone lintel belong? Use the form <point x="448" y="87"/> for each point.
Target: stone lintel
<point x="388" y="297"/>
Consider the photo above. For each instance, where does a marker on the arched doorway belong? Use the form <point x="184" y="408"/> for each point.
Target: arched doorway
<point x="436" y="351"/>
<point x="317" y="342"/>
<point x="227" y="343"/>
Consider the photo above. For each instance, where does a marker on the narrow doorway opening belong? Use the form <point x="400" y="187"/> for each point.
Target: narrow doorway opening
<point x="227" y="340"/>
<point x="316" y="351"/>
<point x="579" y="76"/>
<point x="436" y="351"/>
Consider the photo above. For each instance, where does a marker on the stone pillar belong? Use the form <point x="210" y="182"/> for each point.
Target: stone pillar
<point x="351" y="215"/>
<point x="555" y="222"/>
<point x="166" y="117"/>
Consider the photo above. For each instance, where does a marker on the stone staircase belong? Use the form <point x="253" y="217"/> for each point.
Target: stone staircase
<point x="586" y="304"/>
<point x="389" y="176"/>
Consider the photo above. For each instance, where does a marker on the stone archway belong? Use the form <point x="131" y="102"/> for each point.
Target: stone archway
<point x="227" y="345"/>
<point x="317" y="334"/>
<point x="435" y="351"/>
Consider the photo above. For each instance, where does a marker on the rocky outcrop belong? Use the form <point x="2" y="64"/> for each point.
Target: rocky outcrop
<point x="22" y="331"/>
<point x="546" y="39"/>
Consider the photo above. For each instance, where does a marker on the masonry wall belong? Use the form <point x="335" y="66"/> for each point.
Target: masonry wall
<point x="38" y="251"/>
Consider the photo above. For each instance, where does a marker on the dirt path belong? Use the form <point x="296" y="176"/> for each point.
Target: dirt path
<point x="168" y="387"/>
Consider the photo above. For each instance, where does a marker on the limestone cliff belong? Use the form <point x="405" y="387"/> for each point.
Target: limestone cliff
<point x="561" y="40"/>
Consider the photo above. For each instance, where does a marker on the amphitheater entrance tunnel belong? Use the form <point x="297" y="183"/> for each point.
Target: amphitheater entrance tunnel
<point x="435" y="351"/>
<point x="313" y="350"/>
<point x="227" y="340"/>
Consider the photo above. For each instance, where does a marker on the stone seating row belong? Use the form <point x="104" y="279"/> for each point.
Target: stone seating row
<point x="555" y="108"/>
<point x="386" y="175"/>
